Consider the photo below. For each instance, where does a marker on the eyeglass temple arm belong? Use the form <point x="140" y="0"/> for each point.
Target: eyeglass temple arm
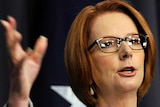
<point x="91" y="46"/>
<point x="145" y="43"/>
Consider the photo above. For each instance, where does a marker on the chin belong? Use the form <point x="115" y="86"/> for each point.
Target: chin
<point x="130" y="86"/>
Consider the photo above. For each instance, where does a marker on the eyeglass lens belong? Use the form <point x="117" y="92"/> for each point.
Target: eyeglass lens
<point x="112" y="44"/>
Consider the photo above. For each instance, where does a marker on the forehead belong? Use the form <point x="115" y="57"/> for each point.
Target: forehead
<point x="112" y="24"/>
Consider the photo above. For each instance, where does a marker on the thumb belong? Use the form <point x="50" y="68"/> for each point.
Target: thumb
<point x="39" y="49"/>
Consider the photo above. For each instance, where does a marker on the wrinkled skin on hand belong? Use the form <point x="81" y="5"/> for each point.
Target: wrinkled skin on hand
<point x="25" y="63"/>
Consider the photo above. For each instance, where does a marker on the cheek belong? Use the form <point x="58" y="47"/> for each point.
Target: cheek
<point x="138" y="60"/>
<point x="104" y="68"/>
<point x="104" y="63"/>
<point x="140" y="63"/>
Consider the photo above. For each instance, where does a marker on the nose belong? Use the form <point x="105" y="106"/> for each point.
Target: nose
<point x="125" y="51"/>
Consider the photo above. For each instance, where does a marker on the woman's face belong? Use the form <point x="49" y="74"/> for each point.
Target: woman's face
<point x="120" y="71"/>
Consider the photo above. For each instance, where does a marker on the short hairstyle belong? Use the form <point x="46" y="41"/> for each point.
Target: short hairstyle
<point x="78" y="60"/>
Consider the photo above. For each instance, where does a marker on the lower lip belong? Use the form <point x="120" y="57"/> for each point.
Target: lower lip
<point x="126" y="74"/>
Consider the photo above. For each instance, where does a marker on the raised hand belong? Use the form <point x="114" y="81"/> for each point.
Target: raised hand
<point x="25" y="64"/>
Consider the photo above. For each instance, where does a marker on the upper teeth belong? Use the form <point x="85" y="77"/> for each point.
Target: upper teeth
<point x="127" y="70"/>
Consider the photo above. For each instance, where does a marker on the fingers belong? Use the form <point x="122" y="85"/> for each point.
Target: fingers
<point x="13" y="38"/>
<point x="12" y="35"/>
<point x="40" y="49"/>
<point x="12" y="21"/>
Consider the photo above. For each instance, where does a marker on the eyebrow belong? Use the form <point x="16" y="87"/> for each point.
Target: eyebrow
<point x="118" y="36"/>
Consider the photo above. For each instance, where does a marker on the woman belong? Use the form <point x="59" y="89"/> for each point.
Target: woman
<point x="112" y="44"/>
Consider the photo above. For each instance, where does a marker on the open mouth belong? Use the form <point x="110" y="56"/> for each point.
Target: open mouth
<point x="127" y="72"/>
<point x="127" y="69"/>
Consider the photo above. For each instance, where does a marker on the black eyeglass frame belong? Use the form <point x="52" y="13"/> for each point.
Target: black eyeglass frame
<point x="143" y="43"/>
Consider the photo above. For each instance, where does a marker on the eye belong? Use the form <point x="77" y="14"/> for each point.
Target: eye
<point x="135" y="41"/>
<point x="107" y="43"/>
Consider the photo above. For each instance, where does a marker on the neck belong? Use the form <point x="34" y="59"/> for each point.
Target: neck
<point x="125" y="100"/>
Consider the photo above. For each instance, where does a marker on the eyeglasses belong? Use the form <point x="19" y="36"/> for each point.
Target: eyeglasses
<point x="111" y="44"/>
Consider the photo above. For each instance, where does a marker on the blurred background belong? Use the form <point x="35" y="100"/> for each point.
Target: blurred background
<point x="52" y="18"/>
